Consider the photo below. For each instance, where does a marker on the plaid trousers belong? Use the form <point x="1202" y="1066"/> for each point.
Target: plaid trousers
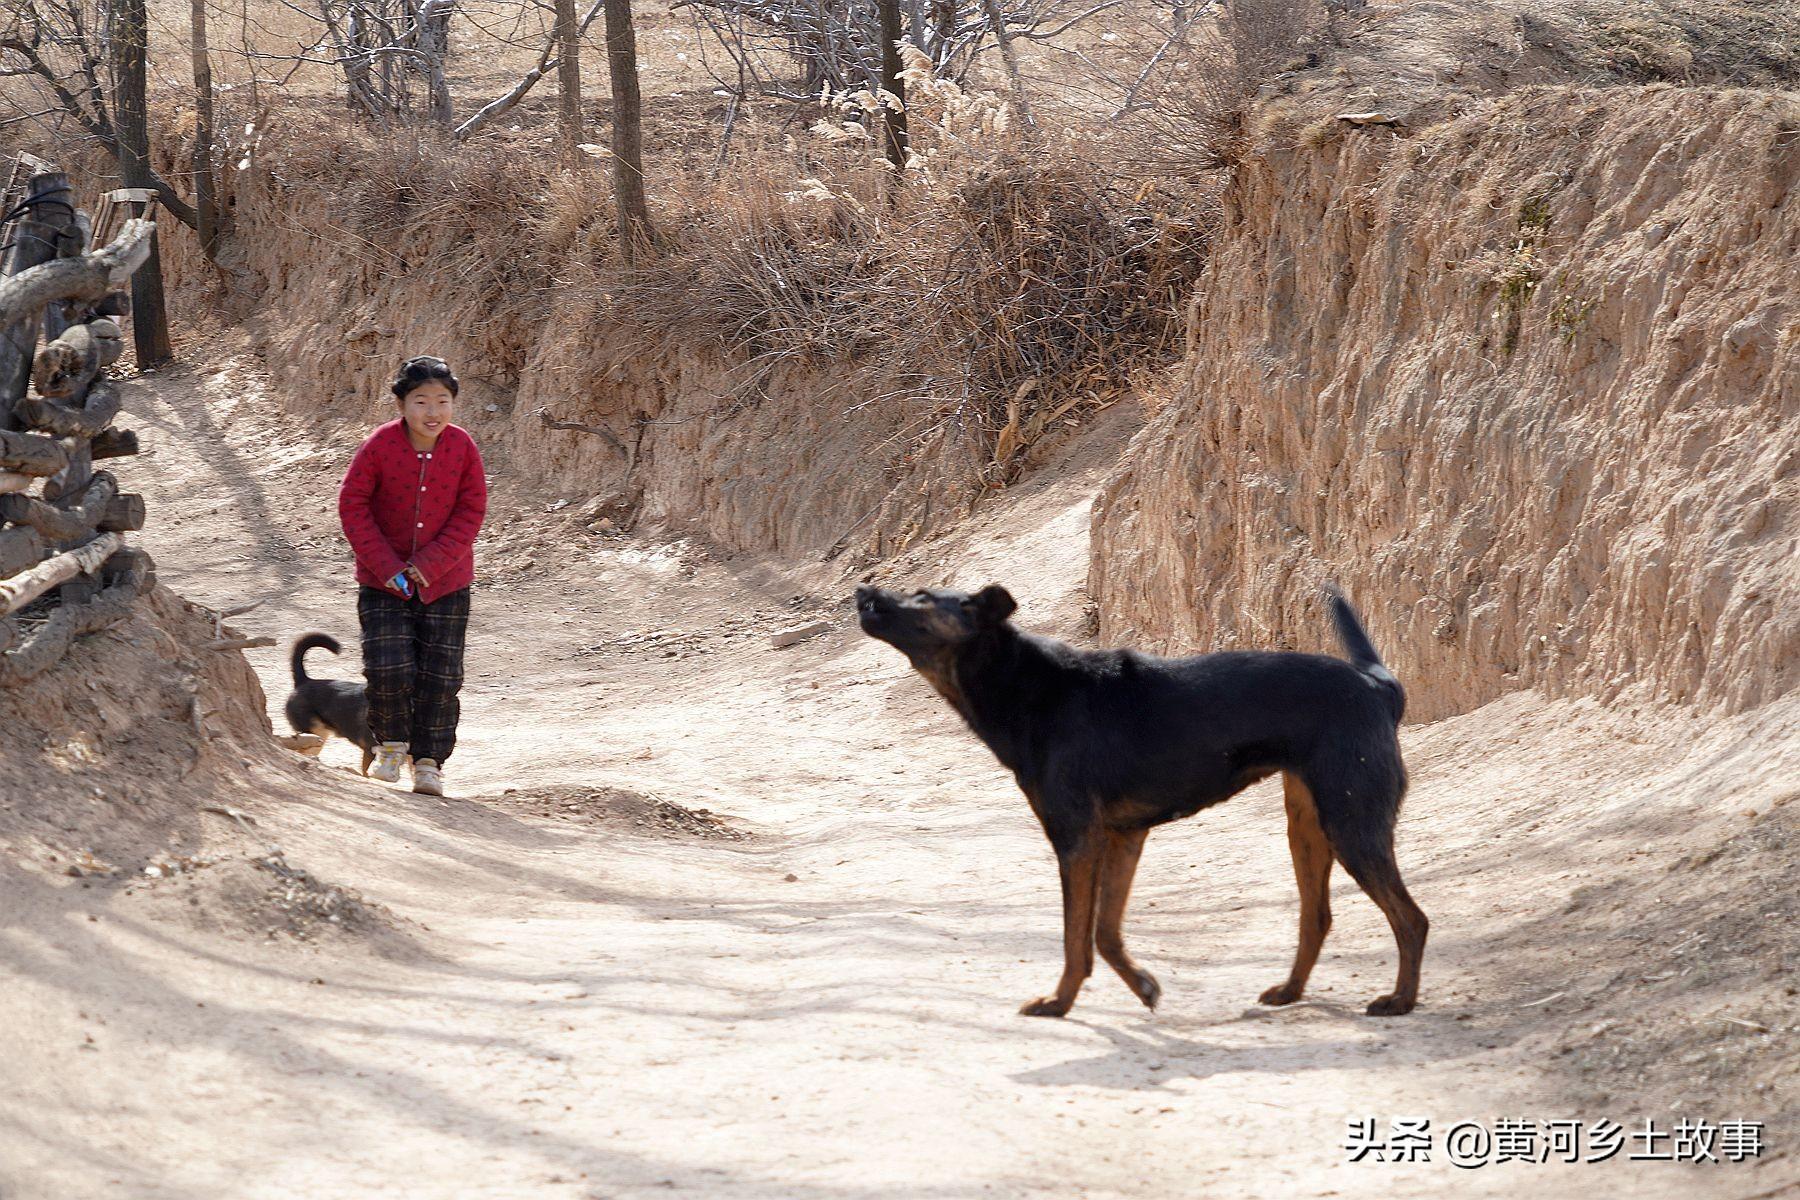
<point x="413" y="660"/>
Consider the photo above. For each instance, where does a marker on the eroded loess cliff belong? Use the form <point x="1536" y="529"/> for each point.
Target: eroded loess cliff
<point x="1526" y="383"/>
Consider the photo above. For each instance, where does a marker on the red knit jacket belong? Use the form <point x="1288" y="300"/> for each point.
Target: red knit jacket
<point x="401" y="507"/>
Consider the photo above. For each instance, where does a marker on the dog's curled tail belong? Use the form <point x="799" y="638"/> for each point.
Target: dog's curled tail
<point x="1361" y="650"/>
<point x="320" y="641"/>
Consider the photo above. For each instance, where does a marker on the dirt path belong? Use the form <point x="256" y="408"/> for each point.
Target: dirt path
<point x="712" y="919"/>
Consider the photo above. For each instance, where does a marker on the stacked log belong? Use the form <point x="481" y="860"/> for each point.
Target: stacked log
<point x="65" y="570"/>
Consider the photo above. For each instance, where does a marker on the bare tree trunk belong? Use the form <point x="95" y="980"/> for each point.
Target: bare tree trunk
<point x="204" y="203"/>
<point x="432" y="21"/>
<point x="1004" y="36"/>
<point x="943" y="24"/>
<point x="893" y="123"/>
<point x="568" y="78"/>
<point x="635" y="233"/>
<point x="130" y="46"/>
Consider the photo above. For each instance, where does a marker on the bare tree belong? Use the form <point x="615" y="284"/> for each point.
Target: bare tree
<point x="1003" y="37"/>
<point x="547" y="59"/>
<point x="386" y="48"/>
<point x="635" y="233"/>
<point x="893" y="115"/>
<point x="840" y="44"/>
<point x="130" y="39"/>
<point x="204" y="206"/>
<point x="70" y="49"/>
<point x="568" y="78"/>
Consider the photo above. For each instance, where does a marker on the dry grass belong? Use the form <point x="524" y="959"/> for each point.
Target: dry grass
<point x="992" y="265"/>
<point x="1024" y="269"/>
<point x="1745" y="42"/>
<point x="1188" y="104"/>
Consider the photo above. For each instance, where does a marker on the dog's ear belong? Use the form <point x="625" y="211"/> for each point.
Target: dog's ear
<point x="994" y="603"/>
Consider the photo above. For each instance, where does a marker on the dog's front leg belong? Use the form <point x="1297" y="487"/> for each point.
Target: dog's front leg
<point x="1079" y="864"/>
<point x="1117" y="867"/>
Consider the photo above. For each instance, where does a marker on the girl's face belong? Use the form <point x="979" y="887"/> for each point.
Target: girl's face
<point x="426" y="410"/>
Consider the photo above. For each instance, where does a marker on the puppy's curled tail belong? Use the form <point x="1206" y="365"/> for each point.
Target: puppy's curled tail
<point x="1361" y="651"/>
<point x="321" y="641"/>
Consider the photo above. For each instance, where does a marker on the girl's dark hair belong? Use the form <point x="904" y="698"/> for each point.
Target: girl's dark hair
<point x="426" y="368"/>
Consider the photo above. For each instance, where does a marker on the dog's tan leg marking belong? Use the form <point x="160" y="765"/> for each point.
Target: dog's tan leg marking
<point x="1312" y="871"/>
<point x="1118" y="866"/>
<point x="1080" y="870"/>
<point x="1410" y="927"/>
<point x="368" y="757"/>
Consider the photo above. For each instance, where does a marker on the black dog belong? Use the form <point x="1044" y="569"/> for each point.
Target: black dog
<point x="328" y="706"/>
<point x="1107" y="744"/>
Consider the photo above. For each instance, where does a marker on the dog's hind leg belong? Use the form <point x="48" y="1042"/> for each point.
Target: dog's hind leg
<point x="1382" y="881"/>
<point x="1080" y="868"/>
<point x="1117" y="867"/>
<point x="1312" y="871"/>
<point x="1366" y="848"/>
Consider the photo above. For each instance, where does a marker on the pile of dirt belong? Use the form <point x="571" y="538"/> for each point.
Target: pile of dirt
<point x="257" y="895"/>
<point x="106" y="760"/>
<point x="122" y="771"/>
<point x="642" y="813"/>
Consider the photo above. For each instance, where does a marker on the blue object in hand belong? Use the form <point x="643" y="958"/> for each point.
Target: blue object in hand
<point x="404" y="584"/>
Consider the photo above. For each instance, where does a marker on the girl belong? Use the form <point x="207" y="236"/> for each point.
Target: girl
<point x="411" y="504"/>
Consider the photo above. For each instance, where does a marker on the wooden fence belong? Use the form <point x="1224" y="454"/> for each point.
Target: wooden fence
<point x="65" y="569"/>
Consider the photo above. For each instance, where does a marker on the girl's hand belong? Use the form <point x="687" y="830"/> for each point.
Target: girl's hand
<point x="417" y="577"/>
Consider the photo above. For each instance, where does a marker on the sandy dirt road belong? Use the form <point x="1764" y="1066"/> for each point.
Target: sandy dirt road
<point x="706" y="918"/>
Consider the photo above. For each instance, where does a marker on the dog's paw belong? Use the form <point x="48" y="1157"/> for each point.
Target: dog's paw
<point x="1147" y="989"/>
<point x="1389" y="1006"/>
<point x="1045" y="1006"/>
<point x="1282" y="994"/>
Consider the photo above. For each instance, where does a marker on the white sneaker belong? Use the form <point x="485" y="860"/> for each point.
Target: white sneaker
<point x="428" y="777"/>
<point x="388" y="757"/>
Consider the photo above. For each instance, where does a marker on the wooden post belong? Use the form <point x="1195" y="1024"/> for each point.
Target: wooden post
<point x="19" y="549"/>
<point x="114" y="443"/>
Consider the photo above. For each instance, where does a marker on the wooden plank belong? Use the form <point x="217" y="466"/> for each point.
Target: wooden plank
<point x="101" y="406"/>
<point x="88" y="278"/>
<point x="114" y="443"/>
<point x="124" y="514"/>
<point x="31" y="453"/>
<point x="27" y="586"/>
<point x="64" y="522"/>
<point x="49" y="643"/>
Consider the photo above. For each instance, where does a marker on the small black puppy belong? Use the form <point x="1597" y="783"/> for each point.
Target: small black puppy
<point x="329" y="706"/>
<point x="1108" y="744"/>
